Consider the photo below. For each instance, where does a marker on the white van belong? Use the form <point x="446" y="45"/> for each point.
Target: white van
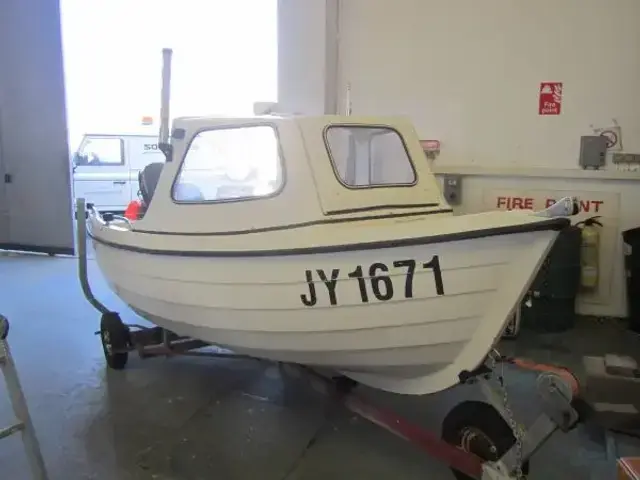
<point x="106" y="168"/>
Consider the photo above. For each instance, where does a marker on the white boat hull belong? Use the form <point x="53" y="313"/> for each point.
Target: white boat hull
<point x="410" y="344"/>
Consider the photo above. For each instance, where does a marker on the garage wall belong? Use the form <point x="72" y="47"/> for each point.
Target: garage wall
<point x="33" y="133"/>
<point x="468" y="73"/>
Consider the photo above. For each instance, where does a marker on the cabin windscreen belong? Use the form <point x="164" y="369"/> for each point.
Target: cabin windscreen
<point x="364" y="156"/>
<point x="226" y="164"/>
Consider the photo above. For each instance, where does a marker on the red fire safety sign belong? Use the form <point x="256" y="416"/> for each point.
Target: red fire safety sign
<point x="550" y="98"/>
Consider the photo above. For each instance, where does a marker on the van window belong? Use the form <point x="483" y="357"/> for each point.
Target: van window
<point x="230" y="163"/>
<point x="369" y="156"/>
<point x="101" y="152"/>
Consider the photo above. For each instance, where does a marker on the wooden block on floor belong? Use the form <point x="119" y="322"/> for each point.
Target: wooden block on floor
<point x="621" y="366"/>
<point x="613" y="391"/>
<point x="623" y="418"/>
<point x="629" y="468"/>
<point x="603" y="386"/>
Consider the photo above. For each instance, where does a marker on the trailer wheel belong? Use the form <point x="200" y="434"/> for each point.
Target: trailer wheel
<point x="478" y="428"/>
<point x="115" y="337"/>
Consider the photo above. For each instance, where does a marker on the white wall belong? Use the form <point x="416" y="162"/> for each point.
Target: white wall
<point x="468" y="73"/>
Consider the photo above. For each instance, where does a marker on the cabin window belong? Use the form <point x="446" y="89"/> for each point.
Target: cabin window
<point x="229" y="164"/>
<point x="369" y="156"/>
<point x="106" y="151"/>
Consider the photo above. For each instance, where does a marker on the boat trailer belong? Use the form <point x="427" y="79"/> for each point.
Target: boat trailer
<point x="479" y="440"/>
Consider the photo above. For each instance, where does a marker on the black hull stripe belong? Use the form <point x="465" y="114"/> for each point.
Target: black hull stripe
<point x="327" y="221"/>
<point x="382" y="207"/>
<point x="550" y="224"/>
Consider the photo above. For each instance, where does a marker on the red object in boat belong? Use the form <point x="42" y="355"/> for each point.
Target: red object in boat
<point x="133" y="210"/>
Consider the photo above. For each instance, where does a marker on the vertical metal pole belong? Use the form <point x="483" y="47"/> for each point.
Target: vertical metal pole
<point x="166" y="95"/>
<point x="19" y="404"/>
<point x="81" y="231"/>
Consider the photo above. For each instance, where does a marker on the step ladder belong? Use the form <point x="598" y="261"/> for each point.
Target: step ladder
<point x="19" y="404"/>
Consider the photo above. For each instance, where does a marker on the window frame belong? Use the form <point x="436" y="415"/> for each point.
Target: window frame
<point x="235" y="199"/>
<point x="103" y="164"/>
<point x="368" y="126"/>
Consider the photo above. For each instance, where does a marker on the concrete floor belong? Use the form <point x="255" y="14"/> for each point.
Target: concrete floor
<point x="198" y="418"/>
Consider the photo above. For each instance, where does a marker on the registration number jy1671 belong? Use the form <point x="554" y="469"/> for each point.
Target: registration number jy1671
<point x="372" y="281"/>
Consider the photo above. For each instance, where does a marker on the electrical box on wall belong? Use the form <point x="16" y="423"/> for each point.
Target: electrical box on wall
<point x="593" y="150"/>
<point x="453" y="189"/>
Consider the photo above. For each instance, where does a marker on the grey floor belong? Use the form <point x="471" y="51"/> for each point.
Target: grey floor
<point x="198" y="418"/>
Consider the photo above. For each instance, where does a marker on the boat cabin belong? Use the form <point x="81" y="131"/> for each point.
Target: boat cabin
<point x="244" y="174"/>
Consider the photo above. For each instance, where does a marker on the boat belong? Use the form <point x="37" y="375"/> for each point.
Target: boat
<point x="335" y="249"/>
<point x="374" y="277"/>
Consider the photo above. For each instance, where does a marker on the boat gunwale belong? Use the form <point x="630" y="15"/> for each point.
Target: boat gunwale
<point x="543" y="225"/>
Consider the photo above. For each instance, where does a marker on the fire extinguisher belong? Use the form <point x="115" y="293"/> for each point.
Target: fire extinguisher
<point x="589" y="252"/>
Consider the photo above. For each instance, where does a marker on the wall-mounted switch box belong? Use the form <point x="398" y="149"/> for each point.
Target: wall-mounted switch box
<point x="593" y="150"/>
<point x="453" y="189"/>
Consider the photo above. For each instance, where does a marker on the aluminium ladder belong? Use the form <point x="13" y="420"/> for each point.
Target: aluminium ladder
<point x="19" y="404"/>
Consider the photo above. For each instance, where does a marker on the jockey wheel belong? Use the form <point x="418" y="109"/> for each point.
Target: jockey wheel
<point x="478" y="428"/>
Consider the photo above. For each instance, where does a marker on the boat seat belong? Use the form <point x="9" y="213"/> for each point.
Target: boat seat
<point x="148" y="179"/>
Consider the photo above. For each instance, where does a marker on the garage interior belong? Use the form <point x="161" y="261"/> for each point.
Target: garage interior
<point x="517" y="105"/>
